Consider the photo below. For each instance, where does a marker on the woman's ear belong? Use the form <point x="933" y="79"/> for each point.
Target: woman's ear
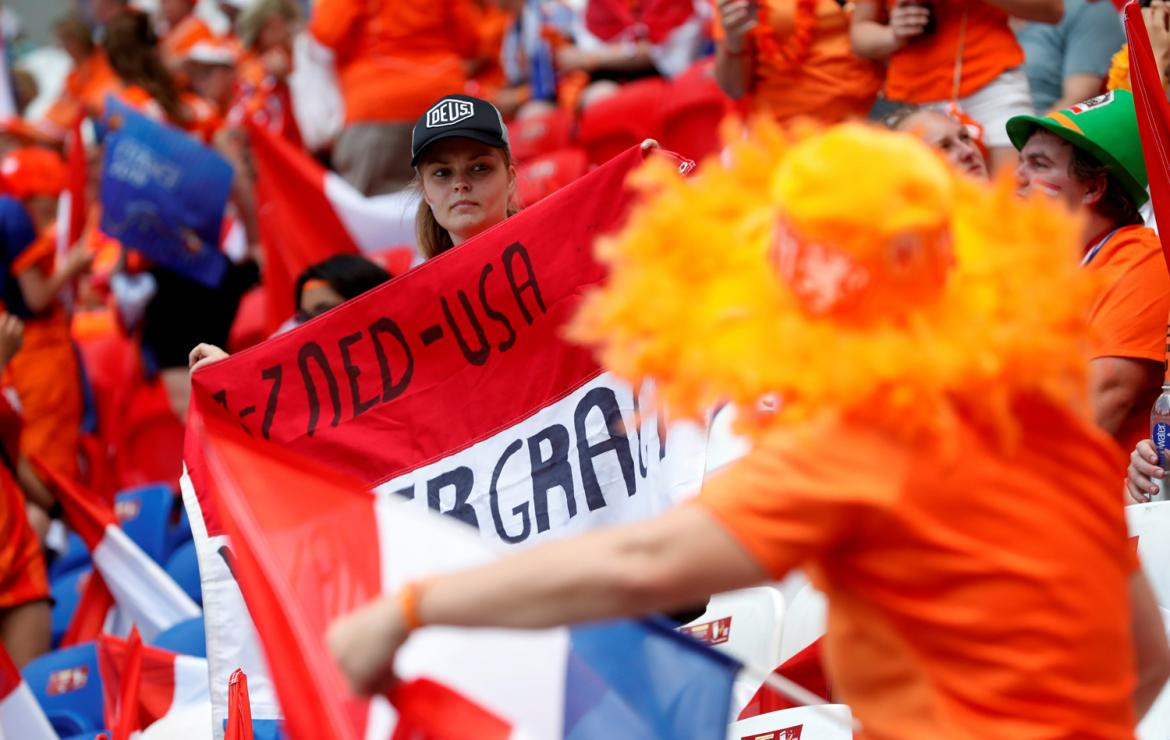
<point x="1096" y="190"/>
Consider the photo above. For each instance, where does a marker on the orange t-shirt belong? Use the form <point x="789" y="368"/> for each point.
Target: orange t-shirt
<point x="86" y="87"/>
<point x="829" y="85"/>
<point x="923" y="71"/>
<point x="972" y="595"/>
<point x="394" y="59"/>
<point x="1129" y="317"/>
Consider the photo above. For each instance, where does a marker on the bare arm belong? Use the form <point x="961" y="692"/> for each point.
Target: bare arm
<point x="41" y="290"/>
<point x="1077" y="88"/>
<point x="1149" y="641"/>
<point x="872" y="37"/>
<point x="1118" y="386"/>
<point x="732" y="61"/>
<point x="657" y="565"/>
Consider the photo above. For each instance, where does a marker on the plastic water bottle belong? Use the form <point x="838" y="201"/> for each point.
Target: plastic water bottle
<point x="542" y="75"/>
<point x="1160" y="435"/>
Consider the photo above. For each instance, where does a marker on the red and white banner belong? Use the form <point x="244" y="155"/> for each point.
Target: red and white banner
<point x="452" y="387"/>
<point x="147" y="689"/>
<point x="308" y="214"/>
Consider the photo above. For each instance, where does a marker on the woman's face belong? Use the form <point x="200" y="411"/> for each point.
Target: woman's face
<point x="950" y="137"/>
<point x="275" y="33"/>
<point x="317" y="297"/>
<point x="467" y="185"/>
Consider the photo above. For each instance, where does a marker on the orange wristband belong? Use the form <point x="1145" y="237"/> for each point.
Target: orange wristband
<point x="408" y="604"/>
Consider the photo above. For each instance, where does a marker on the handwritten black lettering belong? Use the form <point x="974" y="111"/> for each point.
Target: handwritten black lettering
<point x="390" y="389"/>
<point x="520" y="510"/>
<point x="312" y="351"/>
<point x="514" y="250"/>
<point x="462" y="480"/>
<point x="551" y="471"/>
<point x="605" y="401"/>
<point x="493" y="314"/>
<point x="479" y="355"/>
<point x="353" y="372"/>
<point x="276" y="375"/>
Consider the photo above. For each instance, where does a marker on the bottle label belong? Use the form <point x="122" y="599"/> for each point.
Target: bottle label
<point x="1160" y="435"/>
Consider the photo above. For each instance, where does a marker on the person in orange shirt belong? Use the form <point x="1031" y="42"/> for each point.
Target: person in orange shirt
<point x="954" y="53"/>
<point x="392" y="62"/>
<point x="928" y="464"/>
<point x="1089" y="157"/>
<point x="144" y="83"/>
<point x="791" y="59"/>
<point x="25" y="613"/>
<point x="181" y="31"/>
<point x="45" y="374"/>
<point x="88" y="83"/>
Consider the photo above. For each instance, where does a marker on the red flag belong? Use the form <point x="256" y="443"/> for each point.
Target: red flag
<point x="125" y="714"/>
<point x="805" y="669"/>
<point x="247" y="484"/>
<point x="84" y="512"/>
<point x="1153" y="116"/>
<point x="90" y="616"/>
<point x="430" y="711"/>
<point x="239" y="721"/>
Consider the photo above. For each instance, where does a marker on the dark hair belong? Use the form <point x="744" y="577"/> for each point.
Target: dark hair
<point x="132" y="48"/>
<point x="348" y="274"/>
<point x="1116" y="205"/>
<point x="72" y="28"/>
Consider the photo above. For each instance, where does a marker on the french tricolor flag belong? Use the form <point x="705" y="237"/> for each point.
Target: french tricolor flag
<point x="309" y="545"/>
<point x="20" y="715"/>
<point x="145" y="595"/>
<point x="151" y="691"/>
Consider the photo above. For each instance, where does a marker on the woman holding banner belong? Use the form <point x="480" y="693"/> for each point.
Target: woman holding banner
<point x="951" y="615"/>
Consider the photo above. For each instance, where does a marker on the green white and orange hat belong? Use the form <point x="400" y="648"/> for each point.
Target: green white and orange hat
<point x="1106" y="127"/>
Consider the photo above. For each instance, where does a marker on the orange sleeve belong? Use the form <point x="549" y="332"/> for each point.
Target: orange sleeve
<point x="802" y="492"/>
<point x="717" y="32"/>
<point x="1129" y="318"/>
<point x="40" y="253"/>
<point x="333" y="20"/>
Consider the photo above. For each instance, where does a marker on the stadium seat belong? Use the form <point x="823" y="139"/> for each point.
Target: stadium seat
<point x="186" y="638"/>
<point x="549" y="173"/>
<point x="145" y="515"/>
<point x="614" y="124"/>
<point x="68" y="686"/>
<point x="804" y="621"/>
<point x="822" y="722"/>
<point x="90" y="735"/>
<point x="692" y="110"/>
<point x="538" y="135"/>
<point x="179" y="533"/>
<point x="75" y="556"/>
<point x="184" y="568"/>
<point x="66" y="591"/>
<point x="747" y="625"/>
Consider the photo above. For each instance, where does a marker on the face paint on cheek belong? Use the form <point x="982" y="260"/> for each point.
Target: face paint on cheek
<point x="1051" y="189"/>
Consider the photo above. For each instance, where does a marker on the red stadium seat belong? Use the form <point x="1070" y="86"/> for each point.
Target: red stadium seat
<point x="549" y="173"/>
<point x="693" y="108"/>
<point x="614" y="124"/>
<point x="541" y="134"/>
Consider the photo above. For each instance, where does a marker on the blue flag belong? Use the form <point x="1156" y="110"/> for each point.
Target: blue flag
<point x="163" y="194"/>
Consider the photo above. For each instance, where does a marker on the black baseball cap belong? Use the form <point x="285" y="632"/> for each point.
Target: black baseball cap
<point x="458" y="115"/>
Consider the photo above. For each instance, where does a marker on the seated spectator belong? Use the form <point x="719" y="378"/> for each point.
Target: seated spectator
<point x="180" y="30"/>
<point x="1090" y="157"/>
<point x="25" y="612"/>
<point x="391" y="63"/>
<point x="962" y="55"/>
<point x="465" y="172"/>
<point x="46" y="374"/>
<point x="144" y="83"/>
<point x="944" y="134"/>
<point x="322" y="287"/>
<point x="1067" y="62"/>
<point x="90" y="80"/>
<point x="793" y="59"/>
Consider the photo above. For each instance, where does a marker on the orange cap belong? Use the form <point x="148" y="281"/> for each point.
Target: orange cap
<point x="33" y="171"/>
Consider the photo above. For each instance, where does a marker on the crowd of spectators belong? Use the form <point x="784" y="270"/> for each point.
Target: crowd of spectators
<point x="953" y="72"/>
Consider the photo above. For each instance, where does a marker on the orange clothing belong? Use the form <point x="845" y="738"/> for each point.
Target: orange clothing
<point x="46" y="375"/>
<point x="973" y="593"/>
<point x="264" y="99"/>
<point x="492" y="24"/>
<point x="923" y="71"/>
<point x="1129" y="317"/>
<point x="394" y="59"/>
<point x="183" y="37"/>
<point x="22" y="566"/>
<point x="830" y="84"/>
<point x="202" y="118"/>
<point x="86" y="87"/>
